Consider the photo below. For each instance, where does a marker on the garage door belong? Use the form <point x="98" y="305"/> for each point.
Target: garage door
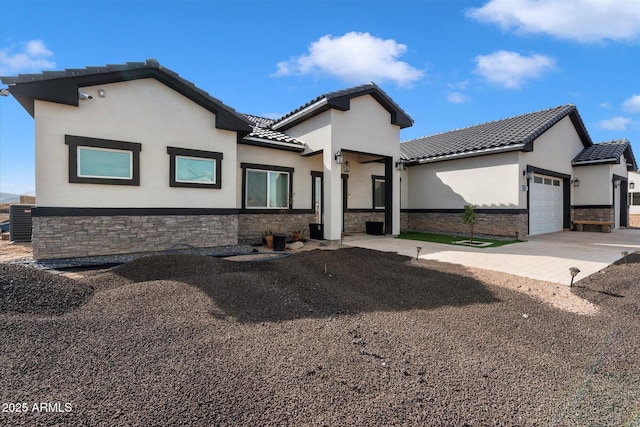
<point x="545" y="205"/>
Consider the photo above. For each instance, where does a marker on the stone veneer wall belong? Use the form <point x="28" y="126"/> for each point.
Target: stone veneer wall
<point x="80" y="236"/>
<point x="354" y="222"/>
<point x="251" y="226"/>
<point x="592" y="214"/>
<point x="634" y="220"/>
<point x="491" y="224"/>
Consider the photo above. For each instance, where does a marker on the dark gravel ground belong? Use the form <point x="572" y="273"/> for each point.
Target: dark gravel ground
<point x="345" y="337"/>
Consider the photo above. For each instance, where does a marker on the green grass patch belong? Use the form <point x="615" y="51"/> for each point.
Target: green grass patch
<point x="448" y="239"/>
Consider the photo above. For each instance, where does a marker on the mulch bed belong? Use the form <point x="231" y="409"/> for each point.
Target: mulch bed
<point x="344" y="337"/>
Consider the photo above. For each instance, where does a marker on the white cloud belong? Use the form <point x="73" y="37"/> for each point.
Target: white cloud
<point x="606" y="105"/>
<point x="580" y="20"/>
<point x="510" y="69"/>
<point x="614" y="123"/>
<point x="632" y="105"/>
<point x="353" y="57"/>
<point x="33" y="56"/>
<point x="459" y="85"/>
<point x="457" y="98"/>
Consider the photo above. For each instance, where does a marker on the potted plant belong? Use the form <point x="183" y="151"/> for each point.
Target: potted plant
<point x="267" y="238"/>
<point x="298" y="233"/>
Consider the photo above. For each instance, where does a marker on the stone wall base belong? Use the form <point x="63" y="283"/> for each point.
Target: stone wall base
<point x="80" y="236"/>
<point x="634" y="220"/>
<point x="355" y="222"/>
<point x="251" y="227"/>
<point x="490" y="224"/>
<point x="592" y="214"/>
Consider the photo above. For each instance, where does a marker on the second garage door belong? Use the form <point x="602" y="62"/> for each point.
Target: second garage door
<point x="545" y="205"/>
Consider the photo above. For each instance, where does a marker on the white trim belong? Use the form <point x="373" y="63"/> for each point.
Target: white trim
<point x="269" y="141"/>
<point x="472" y="153"/>
<point x="589" y="162"/>
<point x="300" y="113"/>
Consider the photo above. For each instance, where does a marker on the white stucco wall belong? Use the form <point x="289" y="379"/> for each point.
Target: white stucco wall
<point x="487" y="182"/>
<point x="635" y="178"/>
<point x="553" y="151"/>
<point x="595" y="185"/>
<point x="360" y="186"/>
<point x="143" y="111"/>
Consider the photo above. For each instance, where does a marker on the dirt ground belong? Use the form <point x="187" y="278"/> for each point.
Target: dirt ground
<point x="320" y="338"/>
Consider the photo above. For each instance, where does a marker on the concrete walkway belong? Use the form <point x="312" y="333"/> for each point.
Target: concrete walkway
<point x="546" y="257"/>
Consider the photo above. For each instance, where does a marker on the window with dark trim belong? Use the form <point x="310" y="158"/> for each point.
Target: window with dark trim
<point x="103" y="161"/>
<point x="266" y="187"/>
<point x="378" y="191"/>
<point x="634" y="199"/>
<point x="194" y="168"/>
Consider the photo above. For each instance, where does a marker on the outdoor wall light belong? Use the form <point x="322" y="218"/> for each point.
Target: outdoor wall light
<point x="528" y="175"/>
<point x="84" y="95"/>
<point x="400" y="166"/>
<point x="575" y="182"/>
<point x="632" y="185"/>
<point x="102" y="93"/>
<point x="347" y="166"/>
<point x="339" y="157"/>
<point x="616" y="183"/>
<point x="574" y="272"/>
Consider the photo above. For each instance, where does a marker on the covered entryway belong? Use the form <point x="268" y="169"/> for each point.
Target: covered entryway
<point x="545" y="204"/>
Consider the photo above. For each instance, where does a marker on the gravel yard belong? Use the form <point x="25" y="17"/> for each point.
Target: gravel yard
<point x="320" y="338"/>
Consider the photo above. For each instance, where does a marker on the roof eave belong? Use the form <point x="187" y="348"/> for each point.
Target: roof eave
<point x="475" y="153"/>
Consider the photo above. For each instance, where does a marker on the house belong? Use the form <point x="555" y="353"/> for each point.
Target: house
<point x="530" y="174"/>
<point x="634" y="199"/>
<point x="134" y="158"/>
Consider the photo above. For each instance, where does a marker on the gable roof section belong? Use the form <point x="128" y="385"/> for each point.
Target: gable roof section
<point x="512" y="134"/>
<point x="62" y="87"/>
<point x="606" y="153"/>
<point x="341" y="100"/>
<point x="263" y="135"/>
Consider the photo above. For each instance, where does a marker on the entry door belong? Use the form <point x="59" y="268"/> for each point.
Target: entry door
<point x="317" y="190"/>
<point x="545" y="205"/>
<point x="616" y="205"/>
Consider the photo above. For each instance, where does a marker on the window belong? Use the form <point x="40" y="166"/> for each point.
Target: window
<point x="103" y="161"/>
<point x="537" y="179"/>
<point x="194" y="168"/>
<point x="634" y="199"/>
<point x="378" y="192"/>
<point x="266" y="187"/>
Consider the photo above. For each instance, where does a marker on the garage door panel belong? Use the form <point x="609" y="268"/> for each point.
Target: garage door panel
<point x="545" y="205"/>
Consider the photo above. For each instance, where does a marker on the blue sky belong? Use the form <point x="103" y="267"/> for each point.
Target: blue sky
<point x="449" y="64"/>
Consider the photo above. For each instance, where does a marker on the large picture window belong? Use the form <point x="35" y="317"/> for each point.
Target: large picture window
<point x="378" y="192"/>
<point x="266" y="187"/>
<point x="194" y="168"/>
<point x="103" y="161"/>
<point x="634" y="199"/>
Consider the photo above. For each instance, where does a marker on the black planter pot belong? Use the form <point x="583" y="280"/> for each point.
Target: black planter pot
<point x="316" y="231"/>
<point x="374" y="227"/>
<point x="279" y="242"/>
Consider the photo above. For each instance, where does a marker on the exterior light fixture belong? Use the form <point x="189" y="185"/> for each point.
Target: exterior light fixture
<point x="102" y="93"/>
<point x="339" y="157"/>
<point x="632" y="185"/>
<point x="528" y="175"/>
<point x="575" y="182"/>
<point x="616" y="183"/>
<point x="347" y="166"/>
<point x="624" y="256"/>
<point x="84" y="95"/>
<point x="400" y="165"/>
<point x="574" y="272"/>
<point x="418" y="249"/>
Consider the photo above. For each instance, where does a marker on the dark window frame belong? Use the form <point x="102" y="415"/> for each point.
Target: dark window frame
<point x="196" y="154"/>
<point x="74" y="141"/>
<point x="375" y="178"/>
<point x="267" y="168"/>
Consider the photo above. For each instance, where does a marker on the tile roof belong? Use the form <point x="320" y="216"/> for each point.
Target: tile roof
<point x="340" y="100"/>
<point x="605" y="152"/>
<point x="27" y="87"/>
<point x="514" y="133"/>
<point x="262" y="130"/>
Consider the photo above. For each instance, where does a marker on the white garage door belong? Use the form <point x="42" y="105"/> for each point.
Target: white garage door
<point x="545" y="205"/>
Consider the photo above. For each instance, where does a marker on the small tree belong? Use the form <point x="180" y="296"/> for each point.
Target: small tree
<point x="469" y="218"/>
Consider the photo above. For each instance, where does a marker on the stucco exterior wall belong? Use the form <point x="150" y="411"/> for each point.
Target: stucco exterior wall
<point x="595" y="185"/>
<point x="634" y="210"/>
<point x="143" y="111"/>
<point x="359" y="184"/>
<point x="487" y="182"/>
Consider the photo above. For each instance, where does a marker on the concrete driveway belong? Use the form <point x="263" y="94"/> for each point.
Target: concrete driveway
<point x="546" y="257"/>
